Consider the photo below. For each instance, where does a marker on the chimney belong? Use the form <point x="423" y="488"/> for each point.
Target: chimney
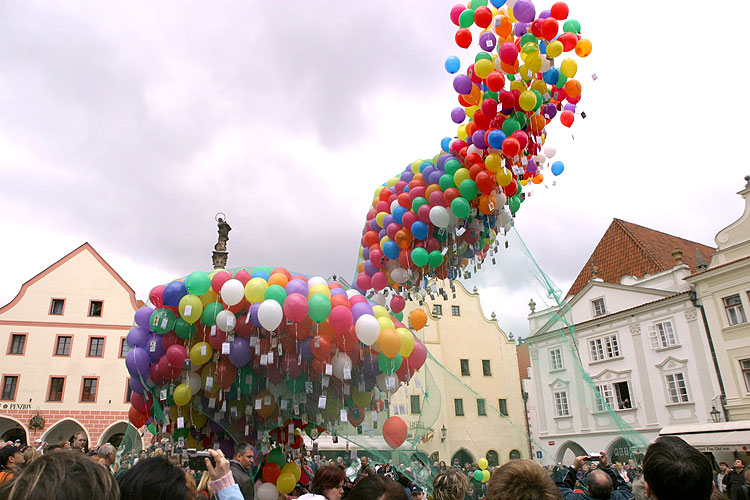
<point x="594" y="271"/>
<point x="700" y="261"/>
<point x="677" y="255"/>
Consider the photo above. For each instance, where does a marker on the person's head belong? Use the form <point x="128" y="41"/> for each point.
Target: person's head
<point x="718" y="495"/>
<point x="329" y="481"/>
<point x="377" y="488"/>
<point x="672" y="469"/>
<point x="79" y="441"/>
<point x="107" y="453"/>
<point x="739" y="464"/>
<point x="521" y="479"/>
<point x="599" y="484"/>
<point x="30" y="454"/>
<point x="450" y="484"/>
<point x="639" y="489"/>
<point x="365" y="462"/>
<point x="11" y="457"/>
<point x="154" y="479"/>
<point x="142" y="454"/>
<point x="723" y="467"/>
<point x="61" y="476"/>
<point x="244" y="454"/>
<point x="417" y="493"/>
<point x="442" y="463"/>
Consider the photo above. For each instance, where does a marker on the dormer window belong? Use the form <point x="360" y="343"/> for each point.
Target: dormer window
<point x="599" y="307"/>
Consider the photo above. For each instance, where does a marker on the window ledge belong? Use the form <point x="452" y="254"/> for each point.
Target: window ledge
<point x="686" y="403"/>
<point x="606" y="360"/>
<point x="558" y="370"/>
<point x="562" y="417"/>
<point x="624" y="410"/>
<point x="737" y="327"/>
<point x="667" y="348"/>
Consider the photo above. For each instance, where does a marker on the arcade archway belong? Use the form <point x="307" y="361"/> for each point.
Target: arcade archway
<point x="12" y="430"/>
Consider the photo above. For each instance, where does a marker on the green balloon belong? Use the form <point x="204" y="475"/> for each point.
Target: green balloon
<point x="483" y="55"/>
<point x="561" y="81"/>
<point x="180" y="433"/>
<point x="528" y="37"/>
<point x="399" y="315"/>
<point x="466" y="18"/>
<point x="446" y="182"/>
<point x="460" y="207"/>
<point x="440" y="234"/>
<point x="419" y="256"/>
<point x="198" y="283"/>
<point x="388" y="365"/>
<point x="511" y="125"/>
<point x="210" y="312"/>
<point x="277" y="293"/>
<point x="514" y="203"/>
<point x="183" y="329"/>
<point x="490" y="95"/>
<point x="266" y="269"/>
<point x="520" y="117"/>
<point x="572" y="26"/>
<point x="475" y="4"/>
<point x="468" y="189"/>
<point x="319" y="307"/>
<point x="151" y="428"/>
<point x="242" y="380"/>
<point x="478" y="475"/>
<point x="277" y="456"/>
<point x="418" y="202"/>
<point x="539" y="99"/>
<point x="452" y="166"/>
<point x="436" y="259"/>
<point x="296" y="385"/>
<point x="162" y="320"/>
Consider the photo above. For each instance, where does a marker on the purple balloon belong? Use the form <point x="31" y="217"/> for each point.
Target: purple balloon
<point x="458" y="115"/>
<point x="407" y="176"/>
<point x="370" y="365"/>
<point x="173" y="293"/>
<point x="370" y="383"/>
<point x="462" y="84"/>
<point x="520" y="28"/>
<point x="549" y="111"/>
<point x="531" y="167"/>
<point x="429" y="169"/>
<point x="138" y="337"/>
<point x="297" y="286"/>
<point x="545" y="14"/>
<point x="434" y="177"/>
<point x="254" y="314"/>
<point x="374" y="225"/>
<point x="370" y="268"/>
<point x="365" y="255"/>
<point x="305" y="350"/>
<point x="240" y="352"/>
<point x="143" y="316"/>
<point x="388" y="219"/>
<point x="524" y="11"/>
<point x="337" y="291"/>
<point x="570" y="107"/>
<point x="138" y="362"/>
<point x="477" y="138"/>
<point x="227" y="446"/>
<point x="136" y="386"/>
<point x="361" y="308"/>
<point x="488" y="42"/>
<point x="157" y="353"/>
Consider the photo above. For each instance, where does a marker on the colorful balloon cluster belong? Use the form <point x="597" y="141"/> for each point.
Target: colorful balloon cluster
<point x="441" y="212"/>
<point x="252" y="347"/>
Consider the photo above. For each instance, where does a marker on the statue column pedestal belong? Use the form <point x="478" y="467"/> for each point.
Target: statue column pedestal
<point x="219" y="259"/>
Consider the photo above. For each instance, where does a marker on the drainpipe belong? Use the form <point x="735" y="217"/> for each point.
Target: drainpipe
<point x="694" y="299"/>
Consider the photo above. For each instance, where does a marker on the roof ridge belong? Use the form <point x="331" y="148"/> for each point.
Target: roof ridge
<point x="638" y="242"/>
<point x="624" y="222"/>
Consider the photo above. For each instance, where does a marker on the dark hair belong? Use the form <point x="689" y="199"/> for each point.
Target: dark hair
<point x="327" y="477"/>
<point x="377" y="487"/>
<point x="154" y="479"/>
<point x="450" y="484"/>
<point x="599" y="484"/>
<point x="522" y="480"/>
<point x="675" y="470"/>
<point x="61" y="476"/>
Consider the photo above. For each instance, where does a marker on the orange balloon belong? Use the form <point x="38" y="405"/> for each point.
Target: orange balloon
<point x="503" y="27"/>
<point x="511" y="69"/>
<point x="403" y="238"/>
<point x="278" y="279"/>
<point x="537" y="123"/>
<point x="431" y="189"/>
<point x="475" y="96"/>
<point x="485" y="202"/>
<point x="226" y="373"/>
<point x="390" y="343"/>
<point x="325" y="330"/>
<point x="573" y="88"/>
<point x="395" y="431"/>
<point x="537" y="179"/>
<point x="418" y="319"/>
<point x="266" y="410"/>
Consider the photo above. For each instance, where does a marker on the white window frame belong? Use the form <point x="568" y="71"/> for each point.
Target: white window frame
<point x="604" y="347"/>
<point x="745" y="368"/>
<point x="562" y="408"/>
<point x="594" y="307"/>
<point x="608" y="392"/>
<point x="676" y="384"/>
<point x="662" y="334"/>
<point x="555" y="359"/>
<point x="736" y="312"/>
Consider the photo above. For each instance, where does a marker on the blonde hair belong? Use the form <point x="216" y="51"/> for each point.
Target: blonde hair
<point x="450" y="484"/>
<point x="30" y="454"/>
<point x="203" y="484"/>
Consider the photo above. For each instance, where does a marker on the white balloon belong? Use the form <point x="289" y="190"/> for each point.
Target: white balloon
<point x="400" y="275"/>
<point x="546" y="64"/>
<point x="394" y="205"/>
<point x="500" y="199"/>
<point x="351" y="293"/>
<point x="540" y="159"/>
<point x="232" y="292"/>
<point x="317" y="280"/>
<point x="379" y="299"/>
<point x="549" y="151"/>
<point x="341" y="361"/>
<point x="270" y="314"/>
<point x="226" y="321"/>
<point x="267" y="491"/>
<point x="195" y="382"/>
<point x="439" y="216"/>
<point x="367" y="329"/>
<point x="474" y="149"/>
<point x="381" y="382"/>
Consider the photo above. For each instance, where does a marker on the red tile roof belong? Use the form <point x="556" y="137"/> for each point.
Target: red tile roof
<point x="627" y="249"/>
<point x="524" y="361"/>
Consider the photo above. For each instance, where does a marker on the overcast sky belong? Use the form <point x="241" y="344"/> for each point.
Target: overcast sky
<point x="130" y="125"/>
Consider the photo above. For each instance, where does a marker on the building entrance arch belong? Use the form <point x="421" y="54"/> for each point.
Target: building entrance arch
<point x="12" y="430"/>
<point x="568" y="451"/>
<point x="464" y="456"/>
<point x="122" y="434"/>
<point x="64" y="430"/>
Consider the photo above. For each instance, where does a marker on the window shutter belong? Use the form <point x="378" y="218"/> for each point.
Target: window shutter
<point x="652" y="338"/>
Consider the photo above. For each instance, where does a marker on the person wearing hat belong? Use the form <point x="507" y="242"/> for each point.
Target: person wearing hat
<point x="417" y="493"/>
<point x="10" y="458"/>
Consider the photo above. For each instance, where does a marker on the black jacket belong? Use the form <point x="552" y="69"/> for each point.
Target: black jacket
<point x="243" y="479"/>
<point x="620" y="490"/>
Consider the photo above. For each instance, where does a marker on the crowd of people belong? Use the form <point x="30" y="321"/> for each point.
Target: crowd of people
<point x="671" y="470"/>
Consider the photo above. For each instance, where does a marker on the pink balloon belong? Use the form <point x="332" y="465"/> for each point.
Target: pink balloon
<point x="243" y="276"/>
<point x="424" y="213"/>
<point x="176" y="355"/>
<point x="295" y="307"/>
<point x="418" y="356"/>
<point x="364" y="282"/>
<point x="408" y="219"/>
<point x="379" y="280"/>
<point x="397" y="303"/>
<point x="341" y="318"/>
<point x="217" y="340"/>
<point x="356" y="299"/>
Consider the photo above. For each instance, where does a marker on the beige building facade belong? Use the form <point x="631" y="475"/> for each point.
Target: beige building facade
<point x="468" y="400"/>
<point x="62" y="363"/>
<point x="723" y="293"/>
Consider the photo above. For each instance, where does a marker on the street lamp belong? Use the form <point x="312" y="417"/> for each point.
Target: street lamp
<point x="443" y="433"/>
<point x="715" y="415"/>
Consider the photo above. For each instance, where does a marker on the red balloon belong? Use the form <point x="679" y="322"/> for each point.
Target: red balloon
<point x="482" y="18"/>
<point x="137" y="418"/>
<point x="395" y="431"/>
<point x="549" y="28"/>
<point x="397" y="303"/>
<point x="271" y="472"/>
<point x="506" y="100"/>
<point x="219" y="279"/>
<point x="511" y="146"/>
<point x="567" y="117"/>
<point x="155" y="296"/>
<point x="485" y="182"/>
<point x="536" y="26"/>
<point x="320" y="347"/>
<point x="140" y="403"/>
<point x="385" y="194"/>
<point x="569" y="41"/>
<point x="226" y="373"/>
<point x="495" y="81"/>
<point x="243" y="276"/>
<point x="559" y="11"/>
<point x="450" y="195"/>
<point x="176" y="355"/>
<point x="463" y="38"/>
<point x="511" y="188"/>
<point x="489" y="108"/>
<point x="521" y="137"/>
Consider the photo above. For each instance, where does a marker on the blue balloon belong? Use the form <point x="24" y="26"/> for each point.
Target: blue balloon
<point x="551" y="76"/>
<point x="419" y="230"/>
<point x="495" y="139"/>
<point x="453" y="64"/>
<point x="557" y="168"/>
<point x="391" y="250"/>
<point x="398" y="213"/>
<point x="445" y="144"/>
<point x="260" y="274"/>
<point x="173" y="292"/>
<point x="498" y="3"/>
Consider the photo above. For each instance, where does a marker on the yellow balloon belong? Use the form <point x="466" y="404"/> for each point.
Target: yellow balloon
<point x="209" y="297"/>
<point x="539" y="86"/>
<point x="255" y="290"/>
<point x="379" y="218"/>
<point x="518" y="85"/>
<point x="483" y="68"/>
<point x="362" y="399"/>
<point x="415" y="166"/>
<point x="385" y="323"/>
<point x="182" y="394"/>
<point x="377" y="192"/>
<point x="200" y="353"/>
<point x="293" y="469"/>
<point x="191" y="308"/>
<point x="199" y="419"/>
<point x="319" y="288"/>
<point x="525" y="73"/>
<point x="461" y="133"/>
<point x="209" y="370"/>
<point x="407" y="342"/>
<point x="470" y="112"/>
<point x="504" y="177"/>
<point x="569" y="68"/>
<point x="493" y="162"/>
<point x="554" y="49"/>
<point x="461" y="175"/>
<point x="534" y="63"/>
<point x="483" y="463"/>
<point x="485" y="476"/>
<point x="527" y="100"/>
<point x="392" y="181"/>
<point x="380" y="312"/>
<point x="384" y="240"/>
<point x="523" y="182"/>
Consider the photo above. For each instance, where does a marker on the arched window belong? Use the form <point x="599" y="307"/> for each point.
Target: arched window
<point x="493" y="459"/>
<point x="514" y="454"/>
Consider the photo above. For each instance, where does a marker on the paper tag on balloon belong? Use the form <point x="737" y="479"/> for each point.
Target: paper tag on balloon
<point x="247" y="319"/>
<point x="230" y="337"/>
<point x="164" y="323"/>
<point x="224" y="406"/>
<point x="163" y="395"/>
<point x="324" y="382"/>
<point x="225" y="347"/>
<point x="247" y="430"/>
<point x="209" y="383"/>
<point x="296" y="409"/>
<point x="280" y="351"/>
<point x="248" y="409"/>
<point x="344" y="416"/>
<point x="347" y="373"/>
<point x="164" y="428"/>
<point x="274" y="341"/>
<point x="264" y="359"/>
<point x="188" y="310"/>
<point x="258" y="404"/>
<point x="212" y="403"/>
<point x="234" y="412"/>
<point x="374" y="416"/>
<point x="253" y="341"/>
<point x="203" y="350"/>
<point x="270" y="358"/>
<point x="308" y="387"/>
<point x="322" y="402"/>
<point x="371" y="434"/>
<point x="213" y="331"/>
<point x="180" y="422"/>
<point x="346" y="389"/>
<point x="231" y="322"/>
<point x="283" y="404"/>
<point x="329" y="369"/>
<point x="390" y="382"/>
<point x="290" y="429"/>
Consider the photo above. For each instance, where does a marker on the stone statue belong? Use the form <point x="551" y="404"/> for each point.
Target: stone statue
<point x="220" y="253"/>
